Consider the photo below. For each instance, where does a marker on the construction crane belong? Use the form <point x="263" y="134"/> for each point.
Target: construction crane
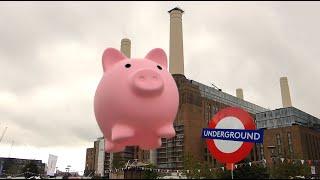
<point x="216" y="87"/>
<point x="11" y="148"/>
<point x="5" y="129"/>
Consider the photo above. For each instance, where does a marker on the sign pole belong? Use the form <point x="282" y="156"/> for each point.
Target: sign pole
<point x="231" y="171"/>
<point x="225" y="128"/>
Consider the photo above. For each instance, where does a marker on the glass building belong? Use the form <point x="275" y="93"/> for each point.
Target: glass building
<point x="284" y="117"/>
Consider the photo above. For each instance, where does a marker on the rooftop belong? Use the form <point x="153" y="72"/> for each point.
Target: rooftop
<point x="284" y="117"/>
<point x="176" y="8"/>
<point x="228" y="99"/>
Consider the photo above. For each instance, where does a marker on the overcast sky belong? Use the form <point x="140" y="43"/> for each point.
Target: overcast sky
<point x="50" y="61"/>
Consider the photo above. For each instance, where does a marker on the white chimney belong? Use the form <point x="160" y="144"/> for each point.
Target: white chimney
<point x="126" y="47"/>
<point x="239" y="93"/>
<point x="285" y="92"/>
<point x="176" y="64"/>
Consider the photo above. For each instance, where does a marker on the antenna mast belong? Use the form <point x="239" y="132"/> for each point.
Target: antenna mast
<point x="5" y="129"/>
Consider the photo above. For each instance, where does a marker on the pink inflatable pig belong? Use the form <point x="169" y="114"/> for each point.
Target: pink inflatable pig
<point x="136" y="100"/>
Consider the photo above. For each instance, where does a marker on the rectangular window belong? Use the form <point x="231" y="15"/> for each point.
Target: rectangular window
<point x="289" y="138"/>
<point x="278" y="139"/>
<point x="279" y="144"/>
<point x="279" y="150"/>
<point x="290" y="149"/>
<point x="261" y="151"/>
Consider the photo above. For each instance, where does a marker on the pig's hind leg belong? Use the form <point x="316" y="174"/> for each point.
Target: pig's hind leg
<point x="112" y="147"/>
<point x="150" y="143"/>
<point x="121" y="132"/>
<point x="166" y="131"/>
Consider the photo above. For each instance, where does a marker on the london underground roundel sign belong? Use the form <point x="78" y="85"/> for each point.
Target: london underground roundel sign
<point x="231" y="135"/>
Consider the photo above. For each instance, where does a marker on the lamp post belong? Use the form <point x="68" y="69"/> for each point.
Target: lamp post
<point x="68" y="167"/>
<point x="272" y="156"/>
<point x="127" y="164"/>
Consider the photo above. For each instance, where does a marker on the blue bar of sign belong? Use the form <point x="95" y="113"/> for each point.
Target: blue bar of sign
<point x="254" y="136"/>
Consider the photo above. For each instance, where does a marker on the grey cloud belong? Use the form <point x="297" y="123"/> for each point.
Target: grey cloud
<point x="248" y="45"/>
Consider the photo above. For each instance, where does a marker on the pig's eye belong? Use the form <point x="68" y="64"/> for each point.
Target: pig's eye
<point x="159" y="67"/>
<point x="128" y="65"/>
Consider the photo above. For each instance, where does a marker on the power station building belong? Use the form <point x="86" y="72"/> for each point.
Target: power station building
<point x="198" y="104"/>
<point x="289" y="132"/>
<point x="293" y="133"/>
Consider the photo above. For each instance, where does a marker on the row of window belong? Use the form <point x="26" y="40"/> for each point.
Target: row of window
<point x="285" y="116"/>
<point x="313" y="146"/>
<point x="274" y="114"/>
<point x="275" y="123"/>
<point x="191" y="98"/>
<point x="279" y="147"/>
<point x="279" y="144"/>
<point x="227" y="99"/>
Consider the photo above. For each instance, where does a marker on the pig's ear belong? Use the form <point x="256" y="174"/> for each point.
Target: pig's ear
<point x="110" y="57"/>
<point x="158" y="56"/>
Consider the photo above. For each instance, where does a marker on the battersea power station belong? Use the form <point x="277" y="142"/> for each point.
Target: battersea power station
<point x="288" y="131"/>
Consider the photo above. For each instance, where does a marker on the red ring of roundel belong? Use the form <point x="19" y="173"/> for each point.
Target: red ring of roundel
<point x="246" y="147"/>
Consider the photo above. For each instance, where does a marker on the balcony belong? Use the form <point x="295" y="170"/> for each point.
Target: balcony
<point x="162" y="157"/>
<point x="179" y="150"/>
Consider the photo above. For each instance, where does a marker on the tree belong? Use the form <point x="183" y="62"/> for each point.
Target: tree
<point x="196" y="168"/>
<point x="30" y="169"/>
<point x="11" y="169"/>
<point x="205" y="172"/>
<point x="287" y="170"/>
<point x="190" y="163"/>
<point x="150" y="174"/>
<point x="245" y="172"/>
<point x="118" y="161"/>
<point x="251" y="172"/>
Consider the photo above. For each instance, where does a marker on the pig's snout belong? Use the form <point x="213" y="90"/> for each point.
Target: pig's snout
<point x="147" y="82"/>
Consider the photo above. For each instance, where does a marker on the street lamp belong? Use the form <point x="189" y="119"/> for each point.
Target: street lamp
<point x="272" y="156"/>
<point x="272" y="153"/>
<point x="134" y="161"/>
<point x="68" y="168"/>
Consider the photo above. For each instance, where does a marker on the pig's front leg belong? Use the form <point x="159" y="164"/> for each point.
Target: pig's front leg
<point x="166" y="131"/>
<point x="121" y="132"/>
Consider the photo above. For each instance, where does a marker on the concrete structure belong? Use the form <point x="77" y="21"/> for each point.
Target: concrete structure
<point x="239" y="93"/>
<point x="176" y="65"/>
<point x="128" y="153"/>
<point x="133" y="152"/>
<point x="97" y="160"/>
<point x="285" y="92"/>
<point x="126" y="47"/>
<point x="100" y="157"/>
<point x="90" y="157"/>
<point x="153" y="157"/>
